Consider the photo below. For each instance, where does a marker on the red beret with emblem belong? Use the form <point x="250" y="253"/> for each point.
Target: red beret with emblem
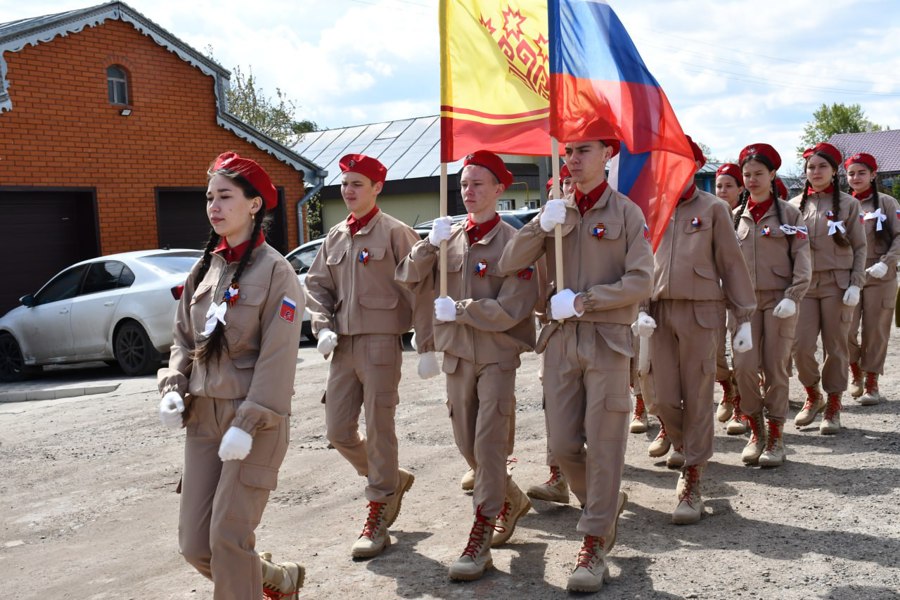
<point x="861" y="158"/>
<point x="827" y="150"/>
<point x="732" y="170"/>
<point x="364" y="165"/>
<point x="765" y="150"/>
<point x="492" y="163"/>
<point x="781" y="189"/>
<point x="252" y="172"/>
<point x="698" y="153"/>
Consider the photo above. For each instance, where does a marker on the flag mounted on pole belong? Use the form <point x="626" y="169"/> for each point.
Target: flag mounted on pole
<point x="601" y="88"/>
<point x="495" y="82"/>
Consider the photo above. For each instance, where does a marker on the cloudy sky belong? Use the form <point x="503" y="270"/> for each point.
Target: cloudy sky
<point x="736" y="71"/>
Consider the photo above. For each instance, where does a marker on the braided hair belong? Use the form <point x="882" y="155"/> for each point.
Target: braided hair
<point x="839" y="237"/>
<point x="211" y="347"/>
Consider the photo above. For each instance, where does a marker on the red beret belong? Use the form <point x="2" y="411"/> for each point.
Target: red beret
<point x="733" y="170"/>
<point x="863" y="159"/>
<point x="764" y="150"/>
<point x="698" y="153"/>
<point x="614" y="144"/>
<point x="252" y="172"/>
<point x="492" y="163"/>
<point x="825" y="149"/>
<point x="563" y="174"/>
<point x="364" y="165"/>
<point x="781" y="189"/>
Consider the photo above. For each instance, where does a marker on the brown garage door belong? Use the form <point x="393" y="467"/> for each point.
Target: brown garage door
<point x="45" y="231"/>
<point x="181" y="219"/>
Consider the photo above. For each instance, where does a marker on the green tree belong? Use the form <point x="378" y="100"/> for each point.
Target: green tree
<point x="895" y="189"/>
<point x="836" y="118"/>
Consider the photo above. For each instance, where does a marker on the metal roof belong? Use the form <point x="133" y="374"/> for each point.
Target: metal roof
<point x="883" y="145"/>
<point x="409" y="148"/>
<point x="15" y="35"/>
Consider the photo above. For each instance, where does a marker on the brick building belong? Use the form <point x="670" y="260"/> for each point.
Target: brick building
<point x="107" y="126"/>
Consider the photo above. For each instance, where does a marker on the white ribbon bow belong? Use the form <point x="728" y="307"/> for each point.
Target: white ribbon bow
<point x="214" y="315"/>
<point x="834" y="226"/>
<point x="792" y="230"/>
<point x="877" y="214"/>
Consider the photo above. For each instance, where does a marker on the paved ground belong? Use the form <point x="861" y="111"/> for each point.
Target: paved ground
<point x="88" y="510"/>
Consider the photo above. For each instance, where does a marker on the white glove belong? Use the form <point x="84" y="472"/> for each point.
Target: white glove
<point x="562" y="305"/>
<point x="644" y="325"/>
<point x="554" y="214"/>
<point x="878" y="270"/>
<point x="851" y="296"/>
<point x="444" y="309"/>
<point x="236" y="444"/>
<point x="743" y="339"/>
<point x="328" y="341"/>
<point x="784" y="309"/>
<point x="412" y="341"/>
<point x="428" y="365"/>
<point x="440" y="231"/>
<point x="170" y="408"/>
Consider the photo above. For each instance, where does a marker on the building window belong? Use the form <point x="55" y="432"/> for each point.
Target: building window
<point x="506" y="204"/>
<point x="117" y="85"/>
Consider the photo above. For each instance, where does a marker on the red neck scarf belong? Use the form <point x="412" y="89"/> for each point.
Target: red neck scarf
<point x="478" y="231"/>
<point x="689" y="193"/>
<point x="356" y="224"/>
<point x="863" y="195"/>
<point x="758" y="209"/>
<point x="237" y="253"/>
<point x="586" y="202"/>
<point x="810" y="191"/>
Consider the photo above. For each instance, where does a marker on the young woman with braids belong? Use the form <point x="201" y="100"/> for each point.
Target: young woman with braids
<point x="838" y="249"/>
<point x="879" y="215"/>
<point x="229" y="382"/>
<point x="775" y="246"/>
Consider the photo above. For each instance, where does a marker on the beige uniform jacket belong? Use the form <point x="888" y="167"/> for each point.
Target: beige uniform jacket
<point x="494" y="312"/>
<point x="876" y="248"/>
<point x="699" y="258"/>
<point x="262" y="330"/>
<point x="612" y="272"/>
<point x="847" y="262"/>
<point x="777" y="256"/>
<point x="351" y="288"/>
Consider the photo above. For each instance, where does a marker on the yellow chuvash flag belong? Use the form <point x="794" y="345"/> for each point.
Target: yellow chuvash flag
<point x="495" y="78"/>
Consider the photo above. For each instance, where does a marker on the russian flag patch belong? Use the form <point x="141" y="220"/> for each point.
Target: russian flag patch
<point x="526" y="273"/>
<point x="288" y="309"/>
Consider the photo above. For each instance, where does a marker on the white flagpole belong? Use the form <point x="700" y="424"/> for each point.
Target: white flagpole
<point x="557" y="231"/>
<point x="443" y="211"/>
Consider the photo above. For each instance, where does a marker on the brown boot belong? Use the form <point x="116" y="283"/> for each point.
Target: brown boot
<point x="676" y="459"/>
<point x="690" y="503"/>
<point x="773" y="455"/>
<point x="555" y="489"/>
<point x="515" y="507"/>
<point x="856" y="380"/>
<point x="374" y="537"/>
<point x="639" y="419"/>
<point x="467" y="483"/>
<point x="757" y="442"/>
<point x="660" y="446"/>
<point x="814" y="404"/>
<point x="872" y="396"/>
<point x="476" y="558"/>
<point x="737" y="425"/>
<point x="610" y="539"/>
<point x="392" y="505"/>
<point x="590" y="569"/>
<point x="831" y="420"/>
<point x="723" y="412"/>
<point x="280" y="580"/>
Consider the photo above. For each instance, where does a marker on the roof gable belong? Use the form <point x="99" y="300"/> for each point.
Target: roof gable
<point x="16" y="35"/>
<point x="883" y="145"/>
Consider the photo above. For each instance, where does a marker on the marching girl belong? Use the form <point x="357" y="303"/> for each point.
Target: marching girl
<point x="838" y="249"/>
<point x="229" y="383"/>
<point x="776" y="249"/>
<point x="879" y="215"/>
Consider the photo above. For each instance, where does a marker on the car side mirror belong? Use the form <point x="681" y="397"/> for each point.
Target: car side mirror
<point x="27" y="300"/>
<point x="302" y="270"/>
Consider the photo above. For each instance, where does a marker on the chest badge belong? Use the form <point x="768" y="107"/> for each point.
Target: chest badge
<point x="481" y="268"/>
<point x="364" y="256"/>
<point x="231" y="294"/>
<point x="765" y="231"/>
<point x="696" y="222"/>
<point x="598" y="231"/>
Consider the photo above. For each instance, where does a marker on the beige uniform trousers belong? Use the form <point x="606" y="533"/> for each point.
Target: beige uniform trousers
<point x="874" y="312"/>
<point x="723" y="370"/>
<point x="586" y="386"/>
<point x="482" y="402"/>
<point x="823" y="311"/>
<point x="771" y="353"/>
<point x="222" y="502"/>
<point x="365" y="373"/>
<point x="683" y="365"/>
<point x="635" y="377"/>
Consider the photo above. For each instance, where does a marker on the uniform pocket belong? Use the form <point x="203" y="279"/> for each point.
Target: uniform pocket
<point x="449" y="364"/>
<point x="249" y="496"/>
<point x="375" y="302"/>
<point x="708" y="316"/>
<point x="336" y="256"/>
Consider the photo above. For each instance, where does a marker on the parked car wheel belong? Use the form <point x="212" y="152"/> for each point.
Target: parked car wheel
<point x="12" y="365"/>
<point x="134" y="352"/>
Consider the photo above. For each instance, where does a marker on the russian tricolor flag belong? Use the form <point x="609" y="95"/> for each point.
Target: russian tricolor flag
<point x="600" y="88"/>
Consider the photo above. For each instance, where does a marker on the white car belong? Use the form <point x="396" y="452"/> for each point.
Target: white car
<point x="301" y="258"/>
<point x="118" y="308"/>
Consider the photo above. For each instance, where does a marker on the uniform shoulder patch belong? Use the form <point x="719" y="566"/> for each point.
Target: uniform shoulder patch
<point x="288" y="309"/>
<point x="527" y="273"/>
